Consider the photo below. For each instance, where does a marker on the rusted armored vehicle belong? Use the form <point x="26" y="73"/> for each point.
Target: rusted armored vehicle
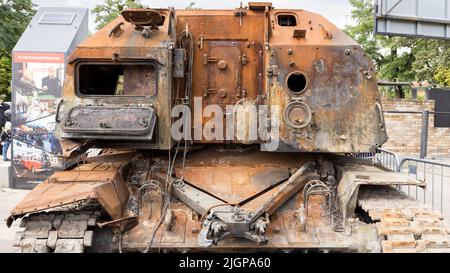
<point x="222" y="130"/>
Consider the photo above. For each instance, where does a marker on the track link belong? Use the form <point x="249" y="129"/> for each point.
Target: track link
<point x="404" y="225"/>
<point x="58" y="232"/>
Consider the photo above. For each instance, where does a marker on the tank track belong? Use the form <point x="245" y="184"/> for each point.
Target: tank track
<point x="404" y="224"/>
<point x="58" y="232"/>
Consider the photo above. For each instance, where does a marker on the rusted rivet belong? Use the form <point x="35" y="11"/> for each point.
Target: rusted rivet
<point x="115" y="57"/>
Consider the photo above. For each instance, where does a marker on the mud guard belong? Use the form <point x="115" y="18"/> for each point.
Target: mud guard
<point x="352" y="178"/>
<point x="100" y="182"/>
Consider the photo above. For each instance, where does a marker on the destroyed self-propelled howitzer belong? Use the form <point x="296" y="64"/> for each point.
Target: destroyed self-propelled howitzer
<point x="222" y="130"/>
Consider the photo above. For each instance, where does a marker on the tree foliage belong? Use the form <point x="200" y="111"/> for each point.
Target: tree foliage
<point x="191" y="5"/>
<point x="15" y="16"/>
<point x="111" y="9"/>
<point x="5" y="75"/>
<point x="362" y="31"/>
<point x="400" y="58"/>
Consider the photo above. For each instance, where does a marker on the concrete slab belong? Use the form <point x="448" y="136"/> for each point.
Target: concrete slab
<point x="5" y="174"/>
<point x="8" y="199"/>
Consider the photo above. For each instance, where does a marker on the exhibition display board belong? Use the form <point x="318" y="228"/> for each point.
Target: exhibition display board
<point x="39" y="60"/>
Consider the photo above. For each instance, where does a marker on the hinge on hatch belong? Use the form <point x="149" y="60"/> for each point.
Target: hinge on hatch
<point x="207" y="59"/>
<point x="244" y="59"/>
<point x="207" y="91"/>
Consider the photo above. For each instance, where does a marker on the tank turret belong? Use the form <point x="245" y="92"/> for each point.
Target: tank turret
<point x="300" y="79"/>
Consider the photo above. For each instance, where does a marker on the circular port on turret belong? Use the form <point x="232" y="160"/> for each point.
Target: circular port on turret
<point x="298" y="115"/>
<point x="296" y="82"/>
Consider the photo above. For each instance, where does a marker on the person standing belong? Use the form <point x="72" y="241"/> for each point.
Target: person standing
<point x="5" y="138"/>
<point x="51" y="82"/>
<point x="34" y="111"/>
<point x="3" y="119"/>
<point x="54" y="144"/>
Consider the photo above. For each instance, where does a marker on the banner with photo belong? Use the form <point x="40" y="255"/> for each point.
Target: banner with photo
<point x="36" y="84"/>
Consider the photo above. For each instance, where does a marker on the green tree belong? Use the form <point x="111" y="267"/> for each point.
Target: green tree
<point x="111" y="9"/>
<point x="392" y="59"/>
<point x="15" y="16"/>
<point x="399" y="58"/>
<point x="362" y="31"/>
<point x="431" y="58"/>
<point x="5" y="77"/>
<point x="390" y="54"/>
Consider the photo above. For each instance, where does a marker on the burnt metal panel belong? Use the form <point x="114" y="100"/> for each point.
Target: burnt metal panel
<point x="110" y="120"/>
<point x="414" y="18"/>
<point x="341" y="93"/>
<point x="102" y="182"/>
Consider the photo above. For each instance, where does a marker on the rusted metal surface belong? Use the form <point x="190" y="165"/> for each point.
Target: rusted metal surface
<point x="233" y="184"/>
<point x="344" y="103"/>
<point x="71" y="148"/>
<point x="102" y="182"/>
<point x="142" y="17"/>
<point x="283" y="232"/>
<point x="285" y="228"/>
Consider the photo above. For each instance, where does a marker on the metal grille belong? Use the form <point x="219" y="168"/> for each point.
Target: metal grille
<point x="57" y="18"/>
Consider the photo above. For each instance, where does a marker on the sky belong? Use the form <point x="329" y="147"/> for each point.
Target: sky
<point x="337" y="11"/>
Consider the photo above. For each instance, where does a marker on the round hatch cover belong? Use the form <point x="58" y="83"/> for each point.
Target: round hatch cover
<point x="298" y="114"/>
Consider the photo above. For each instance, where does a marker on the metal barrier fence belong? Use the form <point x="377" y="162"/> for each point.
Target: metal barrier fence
<point x="437" y="178"/>
<point x="382" y="157"/>
<point x="436" y="175"/>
